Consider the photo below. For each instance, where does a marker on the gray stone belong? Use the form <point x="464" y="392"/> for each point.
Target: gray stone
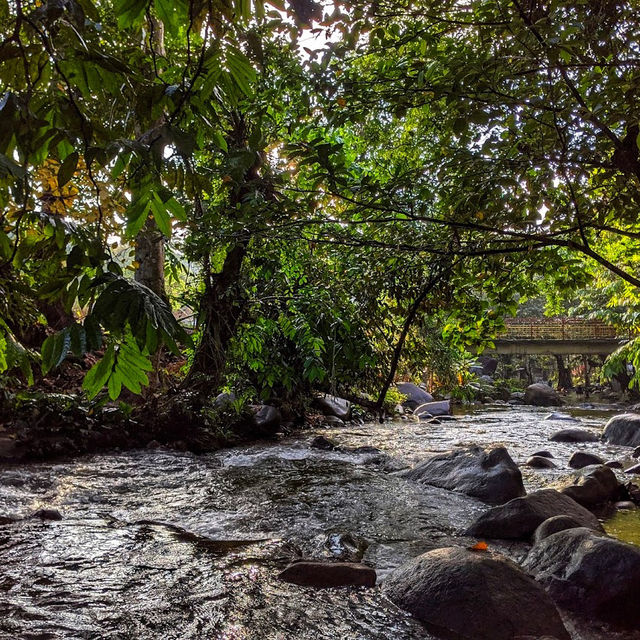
<point x="589" y="573"/>
<point x="48" y="514"/>
<point x="333" y="406"/>
<point x="332" y="421"/>
<point x="415" y="395"/>
<point x="520" y="517"/>
<point x="490" y="475"/>
<point x="553" y="525"/>
<point x="592" y="486"/>
<point x="541" y="395"/>
<point x="614" y="464"/>
<point x="573" y="435"/>
<point x="266" y="419"/>
<point x="561" y="416"/>
<point x="308" y="573"/>
<point x="431" y="409"/>
<point x="540" y="462"/>
<point x="580" y="459"/>
<point x="325" y="444"/>
<point x="543" y="454"/>
<point x="623" y="430"/>
<point x="468" y="595"/>
<point x="224" y="400"/>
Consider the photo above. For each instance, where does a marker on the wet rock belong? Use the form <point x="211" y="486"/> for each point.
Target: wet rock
<point x="623" y="505"/>
<point x="266" y="419"/>
<point x="590" y="574"/>
<point x="490" y="475"/>
<point x="48" y="514"/>
<point x="366" y="449"/>
<point x="592" y="486"/>
<point x="553" y="525"/>
<point x="7" y="520"/>
<point x="543" y="454"/>
<point x="573" y="435"/>
<point x="541" y="395"/>
<point x="580" y="459"/>
<point x="636" y="452"/>
<point x="634" y="469"/>
<point x="489" y="365"/>
<point x="415" y="395"/>
<point x="346" y="546"/>
<point x="540" y="462"/>
<point x="613" y="464"/>
<point x="520" y="517"/>
<point x="623" y="430"/>
<point x="431" y="409"/>
<point x="333" y="406"/>
<point x="332" y="421"/>
<point x="469" y="595"/>
<point x="517" y="395"/>
<point x="308" y="573"/>
<point x="561" y="416"/>
<point x="325" y="444"/>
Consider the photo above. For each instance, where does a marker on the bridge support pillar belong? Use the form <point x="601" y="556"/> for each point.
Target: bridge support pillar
<point x="587" y="380"/>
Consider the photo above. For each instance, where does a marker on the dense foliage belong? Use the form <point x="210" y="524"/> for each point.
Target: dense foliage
<point x="336" y="194"/>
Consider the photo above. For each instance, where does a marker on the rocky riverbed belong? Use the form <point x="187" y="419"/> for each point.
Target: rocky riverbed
<point x="164" y="544"/>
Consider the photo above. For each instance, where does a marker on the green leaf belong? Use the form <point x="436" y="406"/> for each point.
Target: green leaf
<point x="98" y="375"/>
<point x="67" y="169"/>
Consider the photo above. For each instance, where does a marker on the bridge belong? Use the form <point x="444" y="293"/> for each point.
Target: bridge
<point x="557" y="336"/>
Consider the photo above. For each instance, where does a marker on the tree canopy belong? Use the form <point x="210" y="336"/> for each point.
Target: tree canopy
<point x="335" y="193"/>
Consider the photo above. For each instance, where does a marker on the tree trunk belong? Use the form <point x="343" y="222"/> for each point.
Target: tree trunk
<point x="564" y="374"/>
<point x="150" y="240"/>
<point x="223" y="304"/>
<point x="150" y="258"/>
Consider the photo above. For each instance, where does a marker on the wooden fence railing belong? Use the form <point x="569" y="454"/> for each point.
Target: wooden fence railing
<point x="557" y="329"/>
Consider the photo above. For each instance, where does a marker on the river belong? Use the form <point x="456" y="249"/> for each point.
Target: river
<point x="167" y="545"/>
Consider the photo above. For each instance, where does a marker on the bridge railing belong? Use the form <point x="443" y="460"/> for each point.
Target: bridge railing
<point x="557" y="329"/>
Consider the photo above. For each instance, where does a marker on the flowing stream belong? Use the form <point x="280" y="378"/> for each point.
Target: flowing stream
<point x="161" y="545"/>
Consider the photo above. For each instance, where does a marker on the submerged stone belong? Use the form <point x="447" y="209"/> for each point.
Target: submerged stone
<point x="308" y="573"/>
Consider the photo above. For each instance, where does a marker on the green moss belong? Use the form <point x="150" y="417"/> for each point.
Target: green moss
<point x="625" y="525"/>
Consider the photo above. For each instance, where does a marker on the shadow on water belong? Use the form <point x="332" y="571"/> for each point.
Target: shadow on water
<point x="169" y="545"/>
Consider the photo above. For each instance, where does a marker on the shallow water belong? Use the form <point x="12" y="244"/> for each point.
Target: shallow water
<point x="163" y="545"/>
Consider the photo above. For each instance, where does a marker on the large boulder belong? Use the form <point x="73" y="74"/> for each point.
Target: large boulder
<point x="490" y="475"/>
<point x="553" y="525"/>
<point x="520" y="517"/>
<point x="541" y="395"/>
<point x="319" y="574"/>
<point x="623" y="429"/>
<point x="592" y="486"/>
<point x="489" y="365"/>
<point x="430" y="409"/>
<point x="590" y="574"/>
<point x="580" y="459"/>
<point x="333" y="406"/>
<point x="415" y="395"/>
<point x="266" y="419"/>
<point x="573" y="435"/>
<point x="470" y="595"/>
